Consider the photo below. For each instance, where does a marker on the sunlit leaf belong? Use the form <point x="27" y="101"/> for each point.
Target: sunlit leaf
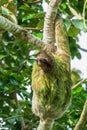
<point x="68" y="24"/>
<point x="77" y="90"/>
<point x="2" y="56"/>
<point x="78" y="24"/>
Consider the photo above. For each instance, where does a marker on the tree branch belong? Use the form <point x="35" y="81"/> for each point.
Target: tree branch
<point x="34" y="2"/>
<point x="80" y="82"/>
<point x="12" y="117"/>
<point x="20" y="33"/>
<point x="83" y="118"/>
<point x="23" y="126"/>
<point x="82" y="49"/>
<point x="49" y="33"/>
<point x="73" y="11"/>
<point x="30" y="28"/>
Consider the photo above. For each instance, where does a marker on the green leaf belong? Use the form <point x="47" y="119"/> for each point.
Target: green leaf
<point x="85" y="95"/>
<point x="11" y="120"/>
<point x="73" y="32"/>
<point x="13" y="56"/>
<point x="3" y="115"/>
<point x="77" y="90"/>
<point x="67" y="24"/>
<point x="78" y="55"/>
<point x="6" y="89"/>
<point x="39" y="15"/>
<point x="2" y="56"/>
<point x="25" y="92"/>
<point x="24" y="7"/>
<point x="63" y="5"/>
<point x="78" y="24"/>
<point x="33" y="16"/>
<point x="26" y="17"/>
<point x="13" y="81"/>
<point x="40" y="24"/>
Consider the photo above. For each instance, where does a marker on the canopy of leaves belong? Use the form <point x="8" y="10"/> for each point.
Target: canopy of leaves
<point x="17" y="59"/>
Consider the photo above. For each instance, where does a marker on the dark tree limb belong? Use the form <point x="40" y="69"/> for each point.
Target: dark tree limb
<point x="82" y="49"/>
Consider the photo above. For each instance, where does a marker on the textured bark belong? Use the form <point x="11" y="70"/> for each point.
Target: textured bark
<point x="83" y="118"/>
<point x="9" y="26"/>
<point x="49" y="31"/>
<point x="20" y="33"/>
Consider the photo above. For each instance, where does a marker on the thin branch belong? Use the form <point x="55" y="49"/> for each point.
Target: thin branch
<point x="79" y="83"/>
<point x="34" y="2"/>
<point x="36" y="29"/>
<point x="83" y="118"/>
<point x="82" y="49"/>
<point x="18" y="105"/>
<point x="12" y="117"/>
<point x="49" y="31"/>
<point x="21" y="33"/>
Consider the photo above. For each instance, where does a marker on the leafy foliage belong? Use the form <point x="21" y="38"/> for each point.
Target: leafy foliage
<point x="17" y="59"/>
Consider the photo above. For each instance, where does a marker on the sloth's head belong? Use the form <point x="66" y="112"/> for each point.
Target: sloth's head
<point x="45" y="61"/>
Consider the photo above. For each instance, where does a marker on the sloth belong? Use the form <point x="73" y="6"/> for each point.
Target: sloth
<point x="51" y="88"/>
<point x="51" y="81"/>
